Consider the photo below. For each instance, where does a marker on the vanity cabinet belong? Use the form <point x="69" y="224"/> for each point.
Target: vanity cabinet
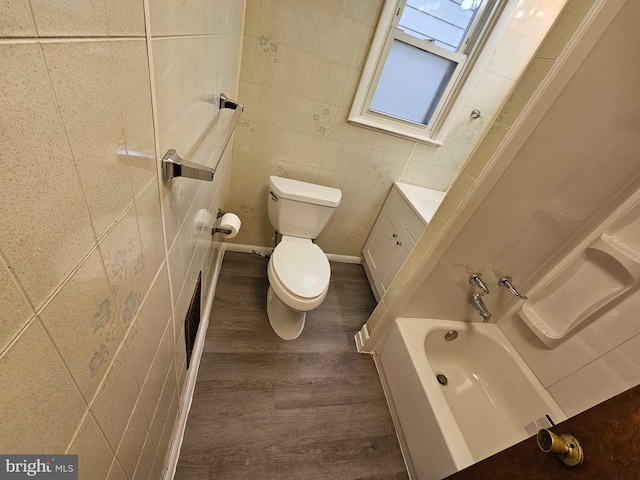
<point x="392" y="238"/>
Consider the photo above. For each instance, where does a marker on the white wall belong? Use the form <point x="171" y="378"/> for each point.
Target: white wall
<point x="578" y="164"/>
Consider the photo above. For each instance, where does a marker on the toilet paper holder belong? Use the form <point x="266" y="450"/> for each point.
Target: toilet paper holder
<point x="226" y="231"/>
<point x="204" y="219"/>
<point x="216" y="229"/>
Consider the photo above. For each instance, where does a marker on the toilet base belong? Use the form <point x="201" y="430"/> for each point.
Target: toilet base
<point x="285" y="321"/>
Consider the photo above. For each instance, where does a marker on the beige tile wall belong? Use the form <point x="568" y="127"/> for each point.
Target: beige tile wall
<point x="196" y="52"/>
<point x="301" y="65"/>
<point x="92" y="358"/>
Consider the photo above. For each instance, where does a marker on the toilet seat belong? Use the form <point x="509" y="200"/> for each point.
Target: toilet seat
<point x="299" y="272"/>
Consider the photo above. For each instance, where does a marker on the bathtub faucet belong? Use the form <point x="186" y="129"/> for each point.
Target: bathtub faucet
<point x="476" y="299"/>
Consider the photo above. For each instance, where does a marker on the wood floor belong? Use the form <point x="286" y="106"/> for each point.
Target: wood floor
<point x="265" y="408"/>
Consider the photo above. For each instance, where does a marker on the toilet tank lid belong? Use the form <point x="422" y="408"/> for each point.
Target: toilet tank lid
<point x="305" y="192"/>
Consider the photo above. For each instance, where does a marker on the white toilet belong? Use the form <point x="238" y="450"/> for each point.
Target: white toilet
<point x="298" y="269"/>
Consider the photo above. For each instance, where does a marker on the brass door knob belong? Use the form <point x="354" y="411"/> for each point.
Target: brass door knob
<point x="565" y="446"/>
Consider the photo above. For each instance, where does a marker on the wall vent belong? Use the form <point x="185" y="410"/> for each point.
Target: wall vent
<point x="192" y="321"/>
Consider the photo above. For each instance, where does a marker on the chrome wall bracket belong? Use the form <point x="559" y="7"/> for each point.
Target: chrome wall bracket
<point x="174" y="166"/>
<point x="226" y="231"/>
<point x="222" y="101"/>
<point x="228" y="103"/>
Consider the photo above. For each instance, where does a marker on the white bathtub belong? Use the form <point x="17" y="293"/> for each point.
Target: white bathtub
<point x="491" y="400"/>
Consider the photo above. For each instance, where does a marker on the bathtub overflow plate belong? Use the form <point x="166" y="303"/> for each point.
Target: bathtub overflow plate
<point x="442" y="379"/>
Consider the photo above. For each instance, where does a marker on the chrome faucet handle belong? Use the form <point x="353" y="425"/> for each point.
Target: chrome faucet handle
<point x="506" y="283"/>
<point x="477" y="279"/>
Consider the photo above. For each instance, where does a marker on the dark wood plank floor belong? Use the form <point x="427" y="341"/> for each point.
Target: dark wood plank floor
<point x="265" y="408"/>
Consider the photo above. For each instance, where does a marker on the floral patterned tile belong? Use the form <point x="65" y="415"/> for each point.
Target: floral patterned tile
<point x="87" y="335"/>
<point x="125" y="263"/>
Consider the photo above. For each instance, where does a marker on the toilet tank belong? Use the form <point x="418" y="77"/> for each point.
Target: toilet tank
<point x="300" y="209"/>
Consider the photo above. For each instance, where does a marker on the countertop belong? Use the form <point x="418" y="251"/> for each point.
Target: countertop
<point x="609" y="434"/>
<point x="424" y="201"/>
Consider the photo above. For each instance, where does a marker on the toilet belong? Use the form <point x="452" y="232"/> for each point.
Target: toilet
<point x="298" y="269"/>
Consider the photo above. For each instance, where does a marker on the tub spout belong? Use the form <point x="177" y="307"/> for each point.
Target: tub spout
<point x="477" y="303"/>
<point x="476" y="300"/>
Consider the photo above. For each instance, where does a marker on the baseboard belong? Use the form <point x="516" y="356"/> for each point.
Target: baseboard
<point x="360" y="337"/>
<point x="343" y="258"/>
<point x="238" y="247"/>
<point x="192" y="373"/>
<point x="372" y="283"/>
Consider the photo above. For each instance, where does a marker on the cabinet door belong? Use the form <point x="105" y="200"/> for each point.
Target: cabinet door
<point x="402" y="248"/>
<point x="380" y="249"/>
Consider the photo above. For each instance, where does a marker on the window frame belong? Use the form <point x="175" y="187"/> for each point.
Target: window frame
<point x="386" y="32"/>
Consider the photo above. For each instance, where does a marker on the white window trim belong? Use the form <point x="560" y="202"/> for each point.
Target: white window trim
<point x="385" y="32"/>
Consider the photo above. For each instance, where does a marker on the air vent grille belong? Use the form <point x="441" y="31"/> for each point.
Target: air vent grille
<point x="192" y="321"/>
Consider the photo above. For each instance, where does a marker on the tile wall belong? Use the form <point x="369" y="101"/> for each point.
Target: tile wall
<point x="301" y="64"/>
<point x="93" y="293"/>
<point x="196" y="53"/>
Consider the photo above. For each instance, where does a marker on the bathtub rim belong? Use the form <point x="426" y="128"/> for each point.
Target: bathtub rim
<point x="414" y="344"/>
<point x="486" y="329"/>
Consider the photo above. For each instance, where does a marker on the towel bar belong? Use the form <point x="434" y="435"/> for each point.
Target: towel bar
<point x="174" y="166"/>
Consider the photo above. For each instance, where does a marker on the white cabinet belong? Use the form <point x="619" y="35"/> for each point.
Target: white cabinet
<point x="392" y="238"/>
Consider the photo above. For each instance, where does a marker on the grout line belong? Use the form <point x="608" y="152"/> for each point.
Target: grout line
<point x="47" y="40"/>
<point x="158" y="178"/>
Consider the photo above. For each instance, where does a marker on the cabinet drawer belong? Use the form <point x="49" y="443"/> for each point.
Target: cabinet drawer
<point x="413" y="222"/>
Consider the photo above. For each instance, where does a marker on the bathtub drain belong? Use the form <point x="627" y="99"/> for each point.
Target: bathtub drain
<point x="442" y="379"/>
<point x="450" y="335"/>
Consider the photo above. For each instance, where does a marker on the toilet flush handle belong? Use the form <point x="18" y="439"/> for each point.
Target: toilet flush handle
<point x="273" y="195"/>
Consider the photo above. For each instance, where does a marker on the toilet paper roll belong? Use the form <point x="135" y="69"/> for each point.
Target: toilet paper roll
<point x="232" y="222"/>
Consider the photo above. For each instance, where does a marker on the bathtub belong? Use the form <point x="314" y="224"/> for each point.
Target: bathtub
<point x="491" y="399"/>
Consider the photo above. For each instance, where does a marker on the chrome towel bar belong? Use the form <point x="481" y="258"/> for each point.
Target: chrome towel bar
<point x="174" y="166"/>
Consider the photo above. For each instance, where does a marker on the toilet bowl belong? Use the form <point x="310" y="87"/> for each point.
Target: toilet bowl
<point x="299" y="275"/>
<point x="298" y="270"/>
